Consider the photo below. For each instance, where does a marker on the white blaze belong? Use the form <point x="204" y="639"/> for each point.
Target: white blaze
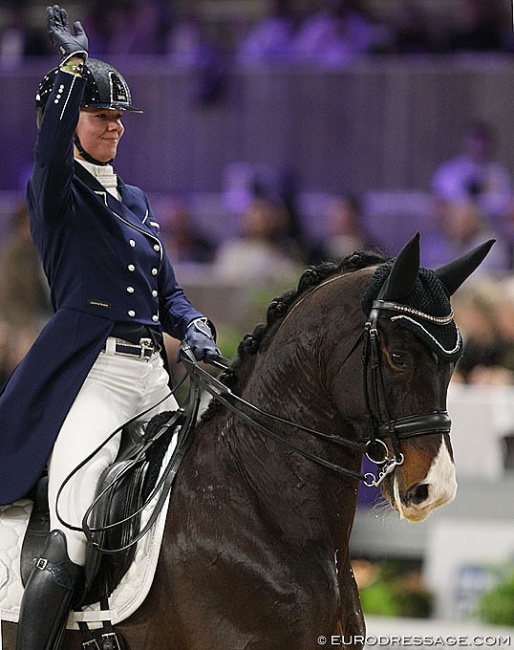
<point x="442" y="487"/>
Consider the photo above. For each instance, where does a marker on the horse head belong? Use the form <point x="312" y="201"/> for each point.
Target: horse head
<point x="309" y="391"/>
<point x="413" y="346"/>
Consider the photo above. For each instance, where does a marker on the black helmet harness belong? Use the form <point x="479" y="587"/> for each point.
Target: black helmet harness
<point x="105" y="88"/>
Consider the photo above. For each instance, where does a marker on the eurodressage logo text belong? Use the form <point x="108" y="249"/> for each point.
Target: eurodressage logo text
<point x="408" y="641"/>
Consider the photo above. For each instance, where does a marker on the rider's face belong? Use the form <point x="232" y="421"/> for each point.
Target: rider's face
<point x="99" y="131"/>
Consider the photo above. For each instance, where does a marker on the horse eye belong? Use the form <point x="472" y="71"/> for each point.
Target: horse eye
<point x="398" y="359"/>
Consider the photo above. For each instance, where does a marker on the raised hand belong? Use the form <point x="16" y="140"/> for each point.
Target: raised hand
<point x="61" y="37"/>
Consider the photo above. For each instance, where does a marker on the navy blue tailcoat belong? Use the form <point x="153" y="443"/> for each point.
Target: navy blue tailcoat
<point x="105" y="263"/>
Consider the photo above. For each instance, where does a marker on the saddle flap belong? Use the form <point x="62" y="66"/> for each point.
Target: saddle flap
<point x="113" y="525"/>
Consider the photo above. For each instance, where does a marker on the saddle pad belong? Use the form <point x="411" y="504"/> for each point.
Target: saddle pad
<point x="126" y="598"/>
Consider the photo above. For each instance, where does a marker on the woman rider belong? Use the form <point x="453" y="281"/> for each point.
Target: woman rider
<point x="100" y="360"/>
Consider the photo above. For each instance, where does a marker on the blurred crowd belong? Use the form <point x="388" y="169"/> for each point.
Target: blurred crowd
<point x="268" y="243"/>
<point x="24" y="295"/>
<point x="326" y="32"/>
<point x="474" y="201"/>
<point x="472" y="193"/>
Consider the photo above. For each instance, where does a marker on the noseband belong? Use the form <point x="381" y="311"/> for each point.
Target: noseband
<point x="380" y="425"/>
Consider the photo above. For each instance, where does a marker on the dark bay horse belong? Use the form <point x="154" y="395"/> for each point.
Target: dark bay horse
<point x="255" y="555"/>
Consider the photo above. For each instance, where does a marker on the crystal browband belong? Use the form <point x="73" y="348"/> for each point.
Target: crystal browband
<point x="394" y="306"/>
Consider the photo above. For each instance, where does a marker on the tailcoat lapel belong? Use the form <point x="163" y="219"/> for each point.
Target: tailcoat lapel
<point x="133" y="208"/>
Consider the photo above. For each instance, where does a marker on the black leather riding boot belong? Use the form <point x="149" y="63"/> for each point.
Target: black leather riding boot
<point x="53" y="588"/>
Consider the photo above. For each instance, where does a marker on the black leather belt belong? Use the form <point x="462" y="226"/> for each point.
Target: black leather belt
<point x="134" y="332"/>
<point x="142" y="350"/>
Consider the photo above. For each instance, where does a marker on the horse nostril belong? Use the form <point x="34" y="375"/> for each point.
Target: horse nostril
<point x="417" y="493"/>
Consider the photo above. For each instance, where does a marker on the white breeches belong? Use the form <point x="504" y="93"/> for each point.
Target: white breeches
<point x="116" y="389"/>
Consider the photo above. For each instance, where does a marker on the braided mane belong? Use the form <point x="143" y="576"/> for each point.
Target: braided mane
<point x="235" y="376"/>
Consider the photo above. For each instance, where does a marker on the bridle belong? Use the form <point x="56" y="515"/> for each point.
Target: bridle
<point x="380" y="425"/>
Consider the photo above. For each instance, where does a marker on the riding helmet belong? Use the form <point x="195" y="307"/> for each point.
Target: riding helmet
<point x="105" y="88"/>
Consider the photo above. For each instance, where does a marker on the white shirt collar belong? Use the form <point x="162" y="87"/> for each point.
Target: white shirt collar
<point x="104" y="174"/>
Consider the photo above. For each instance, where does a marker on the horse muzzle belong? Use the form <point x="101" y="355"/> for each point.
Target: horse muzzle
<point x="416" y="491"/>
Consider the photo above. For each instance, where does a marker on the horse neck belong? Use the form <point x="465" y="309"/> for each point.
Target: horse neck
<point x="288" y="380"/>
<point x="300" y="502"/>
<point x="311" y="355"/>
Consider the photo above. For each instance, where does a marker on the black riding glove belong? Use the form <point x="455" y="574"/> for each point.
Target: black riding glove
<point x="200" y="338"/>
<point x="61" y="37"/>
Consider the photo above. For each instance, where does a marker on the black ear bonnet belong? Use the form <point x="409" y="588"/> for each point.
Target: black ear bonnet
<point x="428" y="312"/>
<point x="419" y="299"/>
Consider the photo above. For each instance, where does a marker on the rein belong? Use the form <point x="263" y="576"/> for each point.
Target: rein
<point x="380" y="423"/>
<point x="224" y="395"/>
<point x="134" y="457"/>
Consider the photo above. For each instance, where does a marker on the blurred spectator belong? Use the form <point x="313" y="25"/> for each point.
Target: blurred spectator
<point x="504" y="317"/>
<point x="128" y="27"/>
<point x="18" y="38"/>
<point x="461" y="227"/>
<point x="346" y="232"/>
<point x="183" y="241"/>
<point x="6" y="363"/>
<point x="243" y="182"/>
<point x="270" y="39"/>
<point x="475" y="174"/>
<point x="334" y="35"/>
<point x="24" y="296"/>
<point x="188" y="47"/>
<point x="99" y="26"/>
<point x="262" y="254"/>
<point x="484" y="311"/>
<point x="280" y="186"/>
<point x="410" y="30"/>
<point x="479" y="26"/>
<point x="506" y="230"/>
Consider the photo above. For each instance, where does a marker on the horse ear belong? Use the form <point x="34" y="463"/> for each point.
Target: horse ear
<point x="453" y="274"/>
<point x="403" y="275"/>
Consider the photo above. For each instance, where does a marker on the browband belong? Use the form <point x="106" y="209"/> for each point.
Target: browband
<point x="395" y="306"/>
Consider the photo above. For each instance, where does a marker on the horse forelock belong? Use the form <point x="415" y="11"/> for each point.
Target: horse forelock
<point x="236" y="375"/>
